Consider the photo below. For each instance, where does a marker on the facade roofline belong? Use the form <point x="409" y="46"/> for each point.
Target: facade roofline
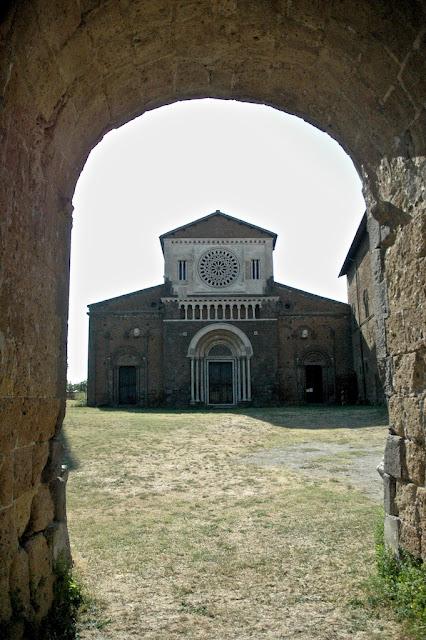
<point x="224" y="215"/>
<point x="359" y="235"/>
<point x="308" y="293"/>
<point x="125" y="295"/>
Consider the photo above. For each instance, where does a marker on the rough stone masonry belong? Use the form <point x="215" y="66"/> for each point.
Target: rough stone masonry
<point x="71" y="71"/>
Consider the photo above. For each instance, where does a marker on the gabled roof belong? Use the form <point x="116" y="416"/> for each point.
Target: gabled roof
<point x="185" y="230"/>
<point x="308" y="294"/>
<point x="356" y="242"/>
<point x="125" y="296"/>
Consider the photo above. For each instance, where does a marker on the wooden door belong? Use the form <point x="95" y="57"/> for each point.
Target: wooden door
<point x="313" y="377"/>
<point x="221" y="388"/>
<point x="127" y="385"/>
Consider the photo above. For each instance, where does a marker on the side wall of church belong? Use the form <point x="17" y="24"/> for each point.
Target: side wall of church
<point x="314" y="330"/>
<point x="112" y="335"/>
<point x="113" y="341"/>
<point x="309" y="340"/>
<point x="361" y="294"/>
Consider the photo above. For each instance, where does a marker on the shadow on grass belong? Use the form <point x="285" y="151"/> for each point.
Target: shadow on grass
<point x="321" y="417"/>
<point x="68" y="457"/>
<point x="290" y="417"/>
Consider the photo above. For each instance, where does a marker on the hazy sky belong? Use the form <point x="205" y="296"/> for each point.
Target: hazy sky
<point x="183" y="161"/>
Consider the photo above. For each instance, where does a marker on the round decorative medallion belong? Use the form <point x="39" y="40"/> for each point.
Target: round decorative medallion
<point x="218" y="267"/>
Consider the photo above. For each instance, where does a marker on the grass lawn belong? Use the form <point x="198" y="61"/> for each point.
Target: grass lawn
<point x="220" y="525"/>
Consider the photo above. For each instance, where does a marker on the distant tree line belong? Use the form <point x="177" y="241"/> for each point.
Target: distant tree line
<point x="75" y="387"/>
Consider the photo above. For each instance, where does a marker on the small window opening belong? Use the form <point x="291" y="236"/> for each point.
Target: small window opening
<point x="255" y="269"/>
<point x="182" y="269"/>
<point x="365" y="301"/>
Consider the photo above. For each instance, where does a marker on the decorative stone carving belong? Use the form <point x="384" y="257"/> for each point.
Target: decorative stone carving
<point x="218" y="267"/>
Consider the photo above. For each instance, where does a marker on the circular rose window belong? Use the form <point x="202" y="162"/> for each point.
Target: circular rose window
<point x="218" y="267"/>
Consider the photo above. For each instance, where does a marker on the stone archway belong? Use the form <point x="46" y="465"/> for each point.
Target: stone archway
<point x="71" y="71"/>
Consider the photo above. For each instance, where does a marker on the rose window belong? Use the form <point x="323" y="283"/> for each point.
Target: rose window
<point x="218" y="267"/>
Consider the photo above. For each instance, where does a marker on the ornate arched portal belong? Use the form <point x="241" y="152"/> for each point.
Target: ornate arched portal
<point x="220" y="365"/>
<point x="71" y="71"/>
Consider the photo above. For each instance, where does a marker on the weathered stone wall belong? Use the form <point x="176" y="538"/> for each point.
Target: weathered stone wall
<point x="309" y="325"/>
<point x="69" y="72"/>
<point x="401" y="184"/>
<point x="112" y="339"/>
<point x="361" y="297"/>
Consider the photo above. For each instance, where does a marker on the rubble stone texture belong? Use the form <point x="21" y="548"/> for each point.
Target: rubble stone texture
<point x="71" y="71"/>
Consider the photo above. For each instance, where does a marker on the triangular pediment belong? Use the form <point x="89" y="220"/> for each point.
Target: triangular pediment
<point x="218" y="225"/>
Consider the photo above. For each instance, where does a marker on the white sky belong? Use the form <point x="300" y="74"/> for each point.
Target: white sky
<point x="183" y="161"/>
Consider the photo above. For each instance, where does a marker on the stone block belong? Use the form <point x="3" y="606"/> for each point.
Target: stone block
<point x="58" y="540"/>
<point x="421" y="514"/>
<point x="414" y="462"/>
<point x="22" y="470"/>
<point x="20" y="583"/>
<point x="5" y="604"/>
<point x="40" y="456"/>
<point x="385" y="367"/>
<point x="410" y="539"/>
<point x="392" y="533"/>
<point x="42" y="510"/>
<point x="37" y="419"/>
<point x="54" y="461"/>
<point x="409" y="373"/>
<point x="22" y="511"/>
<point x="58" y="491"/>
<point x="16" y="630"/>
<point x="41" y="576"/>
<point x="393" y="457"/>
<point x="6" y="480"/>
<point x="8" y="539"/>
<point x="405" y="502"/>
<point x="407" y="417"/>
<point x="395" y="333"/>
<point x="59" y="23"/>
<point x="389" y="489"/>
<point x="7" y="435"/>
<point x="414" y="328"/>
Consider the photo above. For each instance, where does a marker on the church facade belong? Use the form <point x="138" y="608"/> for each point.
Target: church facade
<point x="220" y="331"/>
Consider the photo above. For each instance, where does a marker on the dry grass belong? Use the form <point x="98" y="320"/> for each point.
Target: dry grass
<point x="180" y="531"/>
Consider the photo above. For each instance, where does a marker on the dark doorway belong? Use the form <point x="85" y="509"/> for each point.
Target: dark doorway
<point x="313" y="377"/>
<point x="220" y="383"/>
<point x="127" y="385"/>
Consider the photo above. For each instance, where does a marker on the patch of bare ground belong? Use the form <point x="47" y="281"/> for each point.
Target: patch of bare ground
<point x="206" y="525"/>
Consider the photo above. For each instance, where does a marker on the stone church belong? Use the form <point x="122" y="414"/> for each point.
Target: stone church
<point x="220" y="331"/>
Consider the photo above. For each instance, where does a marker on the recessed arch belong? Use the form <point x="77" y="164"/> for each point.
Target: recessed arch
<point x="227" y="333"/>
<point x="229" y="367"/>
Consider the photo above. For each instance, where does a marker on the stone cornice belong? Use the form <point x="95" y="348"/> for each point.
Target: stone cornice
<point x="221" y="241"/>
<point x="221" y="299"/>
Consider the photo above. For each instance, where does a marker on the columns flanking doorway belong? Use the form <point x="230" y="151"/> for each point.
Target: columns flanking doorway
<point x="220" y="357"/>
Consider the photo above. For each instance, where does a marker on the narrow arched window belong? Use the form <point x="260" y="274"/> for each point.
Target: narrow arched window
<point x="365" y="301"/>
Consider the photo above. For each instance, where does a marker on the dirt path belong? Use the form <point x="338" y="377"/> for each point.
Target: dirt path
<point x="352" y="465"/>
